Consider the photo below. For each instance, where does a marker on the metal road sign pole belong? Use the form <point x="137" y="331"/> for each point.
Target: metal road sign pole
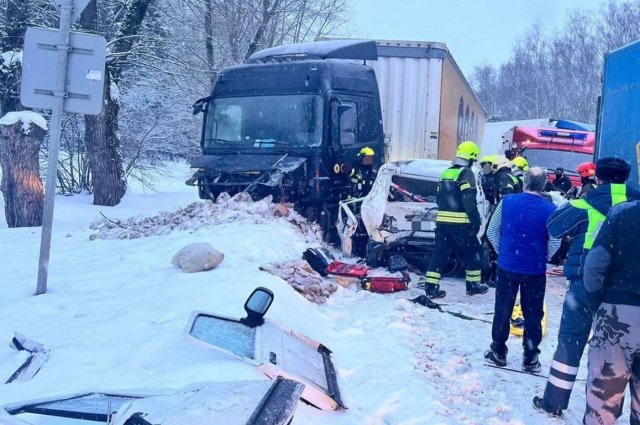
<point x="65" y="8"/>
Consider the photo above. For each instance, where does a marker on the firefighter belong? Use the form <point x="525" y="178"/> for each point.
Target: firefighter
<point x="457" y="223"/>
<point x="487" y="164"/>
<point x="587" y="171"/>
<point x="506" y="182"/>
<point x="490" y="188"/>
<point x="363" y="174"/>
<point x="519" y="167"/>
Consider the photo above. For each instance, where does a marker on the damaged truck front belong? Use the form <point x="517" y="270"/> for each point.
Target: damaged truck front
<point x="290" y="123"/>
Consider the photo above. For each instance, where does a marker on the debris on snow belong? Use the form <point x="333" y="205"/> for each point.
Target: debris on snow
<point x="281" y="210"/>
<point x="38" y="355"/>
<point x="199" y="215"/>
<point x="303" y="279"/>
<point x="197" y="257"/>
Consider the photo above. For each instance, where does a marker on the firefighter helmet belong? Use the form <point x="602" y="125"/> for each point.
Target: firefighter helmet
<point x="468" y="150"/>
<point x="366" y="151"/>
<point x="587" y="169"/>
<point x="487" y="159"/>
<point x="521" y="163"/>
<point x="502" y="162"/>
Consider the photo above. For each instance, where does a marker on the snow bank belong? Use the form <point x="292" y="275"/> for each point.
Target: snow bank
<point x="199" y="215"/>
<point x="26" y="118"/>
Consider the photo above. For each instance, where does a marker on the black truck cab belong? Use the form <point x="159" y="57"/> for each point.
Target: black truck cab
<point x="290" y="123"/>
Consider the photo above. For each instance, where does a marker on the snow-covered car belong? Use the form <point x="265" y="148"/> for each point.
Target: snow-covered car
<point x="398" y="215"/>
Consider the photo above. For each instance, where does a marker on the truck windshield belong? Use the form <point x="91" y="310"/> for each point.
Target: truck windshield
<point x="551" y="159"/>
<point x="264" y="122"/>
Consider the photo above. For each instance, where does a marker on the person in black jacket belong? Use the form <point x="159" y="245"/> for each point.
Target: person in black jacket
<point x="612" y="282"/>
<point x="561" y="182"/>
<point x="489" y="186"/>
<point x="580" y="220"/>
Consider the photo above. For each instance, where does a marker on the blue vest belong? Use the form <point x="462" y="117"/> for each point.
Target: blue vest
<point x="523" y="233"/>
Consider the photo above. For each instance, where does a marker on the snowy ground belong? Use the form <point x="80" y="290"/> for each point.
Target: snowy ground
<point x="115" y="312"/>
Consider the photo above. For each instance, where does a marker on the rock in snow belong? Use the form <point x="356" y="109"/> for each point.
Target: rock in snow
<point x="197" y="257"/>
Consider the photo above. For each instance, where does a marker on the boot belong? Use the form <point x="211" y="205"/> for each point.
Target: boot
<point x="531" y="364"/>
<point x="541" y="406"/>
<point x="496" y="358"/>
<point x="475" y="288"/>
<point x="433" y="291"/>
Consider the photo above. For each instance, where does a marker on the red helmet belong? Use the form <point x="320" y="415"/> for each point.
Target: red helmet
<point x="587" y="169"/>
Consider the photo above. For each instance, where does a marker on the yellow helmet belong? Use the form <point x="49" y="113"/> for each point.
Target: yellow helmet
<point x="488" y="159"/>
<point x="502" y="162"/>
<point x="521" y="163"/>
<point x="366" y="151"/>
<point x="468" y="150"/>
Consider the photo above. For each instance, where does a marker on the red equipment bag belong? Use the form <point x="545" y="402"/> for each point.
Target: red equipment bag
<point x="383" y="284"/>
<point x="348" y="270"/>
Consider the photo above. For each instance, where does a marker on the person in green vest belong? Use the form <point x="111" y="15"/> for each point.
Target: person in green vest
<point x="580" y="219"/>
<point x="457" y="223"/>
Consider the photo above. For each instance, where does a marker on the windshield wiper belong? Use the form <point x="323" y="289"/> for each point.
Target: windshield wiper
<point x="217" y="140"/>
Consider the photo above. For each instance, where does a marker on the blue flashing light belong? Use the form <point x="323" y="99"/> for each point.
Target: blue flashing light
<point x="555" y="133"/>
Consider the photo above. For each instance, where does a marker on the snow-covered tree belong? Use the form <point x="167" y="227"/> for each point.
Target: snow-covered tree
<point x="558" y="75"/>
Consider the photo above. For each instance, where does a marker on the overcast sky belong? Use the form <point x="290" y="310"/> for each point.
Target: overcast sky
<point x="475" y="31"/>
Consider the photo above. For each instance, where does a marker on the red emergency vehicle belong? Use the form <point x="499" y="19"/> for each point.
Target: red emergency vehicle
<point x="551" y="148"/>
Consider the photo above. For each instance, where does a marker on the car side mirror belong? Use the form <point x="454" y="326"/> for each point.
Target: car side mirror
<point x="257" y="306"/>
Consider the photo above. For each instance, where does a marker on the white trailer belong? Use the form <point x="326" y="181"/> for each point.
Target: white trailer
<point x="428" y="107"/>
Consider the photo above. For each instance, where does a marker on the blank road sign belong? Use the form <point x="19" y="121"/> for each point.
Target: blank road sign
<point x="85" y="71"/>
<point x="78" y="7"/>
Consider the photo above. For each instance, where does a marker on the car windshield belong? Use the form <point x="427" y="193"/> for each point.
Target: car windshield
<point x="406" y="189"/>
<point x="264" y="122"/>
<point x="551" y="159"/>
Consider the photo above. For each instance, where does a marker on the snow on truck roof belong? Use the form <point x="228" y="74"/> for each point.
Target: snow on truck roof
<point x="328" y="49"/>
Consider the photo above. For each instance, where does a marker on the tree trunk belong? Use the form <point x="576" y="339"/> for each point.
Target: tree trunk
<point x="21" y="184"/>
<point x="268" y="10"/>
<point x="103" y="151"/>
<point x="100" y="134"/>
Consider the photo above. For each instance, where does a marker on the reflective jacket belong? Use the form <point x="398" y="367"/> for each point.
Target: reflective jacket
<point x="507" y="183"/>
<point x="581" y="219"/>
<point x="362" y="179"/>
<point x="456" y="198"/>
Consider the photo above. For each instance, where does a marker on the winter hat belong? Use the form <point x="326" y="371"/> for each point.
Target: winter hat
<point x="613" y="169"/>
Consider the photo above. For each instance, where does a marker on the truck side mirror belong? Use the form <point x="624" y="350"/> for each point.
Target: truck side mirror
<point x="198" y="105"/>
<point x="256" y="306"/>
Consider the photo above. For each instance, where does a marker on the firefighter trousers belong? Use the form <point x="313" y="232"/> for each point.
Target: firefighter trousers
<point x="575" y="326"/>
<point x="451" y="239"/>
